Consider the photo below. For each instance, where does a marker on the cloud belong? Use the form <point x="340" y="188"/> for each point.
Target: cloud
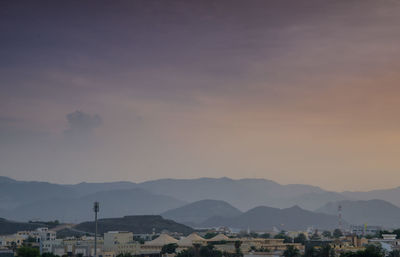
<point x="81" y="124"/>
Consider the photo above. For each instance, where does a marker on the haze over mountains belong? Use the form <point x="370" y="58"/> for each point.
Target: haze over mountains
<point x="196" y="202"/>
<point x="371" y="212"/>
<point x="264" y="218"/>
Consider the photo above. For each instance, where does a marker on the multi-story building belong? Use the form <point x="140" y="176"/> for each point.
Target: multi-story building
<point x="119" y="242"/>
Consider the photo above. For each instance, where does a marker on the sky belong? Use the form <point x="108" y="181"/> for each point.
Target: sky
<point x="301" y="92"/>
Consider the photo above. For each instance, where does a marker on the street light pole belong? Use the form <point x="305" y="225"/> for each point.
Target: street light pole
<point x="96" y="210"/>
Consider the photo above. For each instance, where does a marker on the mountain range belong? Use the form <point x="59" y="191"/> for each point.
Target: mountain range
<point x="370" y="212"/>
<point x="184" y="200"/>
<point x="196" y="213"/>
<point x="263" y="218"/>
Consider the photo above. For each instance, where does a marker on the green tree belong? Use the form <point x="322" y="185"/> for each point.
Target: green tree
<point x="327" y="234"/>
<point x="238" y="243"/>
<point x="381" y="232"/>
<point x="397" y="232"/>
<point x="300" y="238"/>
<point x="49" y="255"/>
<point x="394" y="253"/>
<point x="310" y="252"/>
<point x="282" y="235"/>
<point x="169" y="248"/>
<point x="265" y="235"/>
<point x="372" y="251"/>
<point x="28" y="252"/>
<point x="349" y="254"/>
<point x="124" y="255"/>
<point x="291" y="251"/>
<point x="186" y="253"/>
<point x="210" y="235"/>
<point x="337" y="233"/>
<point x="315" y="236"/>
<point x="326" y="251"/>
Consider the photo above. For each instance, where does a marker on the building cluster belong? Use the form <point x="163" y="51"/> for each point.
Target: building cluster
<point x="114" y="243"/>
<point x="35" y="237"/>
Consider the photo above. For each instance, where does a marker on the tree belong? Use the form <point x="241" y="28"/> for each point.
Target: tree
<point x="210" y="235"/>
<point x="124" y="255"/>
<point x="265" y="235"/>
<point x="209" y="251"/>
<point x="337" y="233"/>
<point x="291" y="251"/>
<point x="315" y="236"/>
<point x="28" y="252"/>
<point x="186" y="253"/>
<point x="327" y="234"/>
<point x="169" y="248"/>
<point x="372" y="251"/>
<point x="301" y="239"/>
<point x="238" y="243"/>
<point x="326" y="251"/>
<point x="394" y="253"/>
<point x="50" y="255"/>
<point x="282" y="235"/>
<point x="397" y="232"/>
<point x="310" y="252"/>
<point x="381" y="232"/>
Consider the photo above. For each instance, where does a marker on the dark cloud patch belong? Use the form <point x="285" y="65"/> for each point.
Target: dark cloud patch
<point x="81" y="125"/>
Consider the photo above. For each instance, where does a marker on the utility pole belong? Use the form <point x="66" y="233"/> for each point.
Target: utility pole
<point x="340" y="217"/>
<point x="96" y="210"/>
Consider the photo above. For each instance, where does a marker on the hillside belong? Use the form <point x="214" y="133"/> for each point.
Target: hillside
<point x="371" y="212"/>
<point x="24" y="200"/>
<point x="265" y="218"/>
<point x="16" y="197"/>
<point x="10" y="227"/>
<point x="14" y="193"/>
<point x="195" y="213"/>
<point x="112" y="204"/>
<point x="243" y="193"/>
<point x="391" y="195"/>
<point x="139" y="224"/>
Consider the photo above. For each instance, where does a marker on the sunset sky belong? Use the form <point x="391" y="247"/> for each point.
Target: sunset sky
<point x="293" y="91"/>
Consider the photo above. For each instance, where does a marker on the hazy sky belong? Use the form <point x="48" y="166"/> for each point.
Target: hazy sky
<point x="297" y="91"/>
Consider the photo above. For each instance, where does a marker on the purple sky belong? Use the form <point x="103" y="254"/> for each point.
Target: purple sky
<point x="288" y="90"/>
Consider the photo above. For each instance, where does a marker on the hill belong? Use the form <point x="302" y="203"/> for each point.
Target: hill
<point x="139" y="224"/>
<point x="195" y="213"/>
<point x="10" y="227"/>
<point x="371" y="212"/>
<point x="391" y="195"/>
<point x="112" y="203"/>
<point x="46" y="199"/>
<point x="14" y="193"/>
<point x="265" y="218"/>
<point x="243" y="193"/>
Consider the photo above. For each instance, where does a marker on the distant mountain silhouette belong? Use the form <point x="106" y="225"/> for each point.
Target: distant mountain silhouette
<point x="112" y="204"/>
<point x="371" y="212"/>
<point x="391" y="195"/>
<point x="243" y="193"/>
<point x="139" y="224"/>
<point x="265" y="218"/>
<point x="14" y="193"/>
<point x="23" y="200"/>
<point x="195" y="213"/>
